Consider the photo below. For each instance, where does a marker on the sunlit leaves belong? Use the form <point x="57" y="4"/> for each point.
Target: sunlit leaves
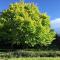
<point x="23" y="23"/>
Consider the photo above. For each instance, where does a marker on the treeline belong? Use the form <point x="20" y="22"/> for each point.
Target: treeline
<point x="56" y="43"/>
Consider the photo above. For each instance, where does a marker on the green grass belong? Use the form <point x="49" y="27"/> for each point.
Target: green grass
<point x="38" y="58"/>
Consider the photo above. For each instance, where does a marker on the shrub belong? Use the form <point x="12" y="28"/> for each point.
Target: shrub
<point x="22" y="23"/>
<point x="26" y="53"/>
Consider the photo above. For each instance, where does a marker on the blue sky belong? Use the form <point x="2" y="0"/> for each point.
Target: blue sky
<point x="51" y="7"/>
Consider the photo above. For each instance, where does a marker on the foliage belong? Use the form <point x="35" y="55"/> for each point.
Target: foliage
<point x="26" y="53"/>
<point x="22" y="23"/>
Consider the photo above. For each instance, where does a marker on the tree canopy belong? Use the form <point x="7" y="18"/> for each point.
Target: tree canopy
<point x="23" y="23"/>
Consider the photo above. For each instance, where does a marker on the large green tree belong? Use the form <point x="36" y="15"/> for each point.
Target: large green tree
<point x="22" y="23"/>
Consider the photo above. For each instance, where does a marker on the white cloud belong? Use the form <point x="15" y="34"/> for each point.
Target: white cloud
<point x="55" y="24"/>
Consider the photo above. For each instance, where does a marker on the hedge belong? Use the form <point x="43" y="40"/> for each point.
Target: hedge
<point x="24" y="53"/>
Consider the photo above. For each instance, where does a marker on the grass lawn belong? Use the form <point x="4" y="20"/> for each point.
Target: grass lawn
<point x="38" y="58"/>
